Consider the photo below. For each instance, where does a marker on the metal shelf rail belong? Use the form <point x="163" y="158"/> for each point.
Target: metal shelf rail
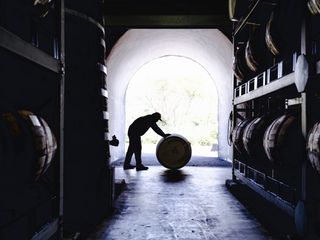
<point x="13" y="43"/>
<point x="273" y="79"/>
<point x="277" y="192"/>
<point x="298" y="198"/>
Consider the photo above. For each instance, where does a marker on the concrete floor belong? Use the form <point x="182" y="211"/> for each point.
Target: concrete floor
<point x="192" y="204"/>
<point x="149" y="159"/>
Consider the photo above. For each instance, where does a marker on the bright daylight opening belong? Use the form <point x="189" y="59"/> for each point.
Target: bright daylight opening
<point x="200" y="53"/>
<point x="185" y="95"/>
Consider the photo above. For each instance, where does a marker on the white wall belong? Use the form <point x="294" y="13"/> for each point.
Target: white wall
<point x="208" y="47"/>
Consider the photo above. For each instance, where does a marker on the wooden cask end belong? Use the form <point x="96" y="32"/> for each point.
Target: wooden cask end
<point x="173" y="152"/>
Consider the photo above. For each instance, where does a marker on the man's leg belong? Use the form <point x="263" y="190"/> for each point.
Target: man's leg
<point x="126" y="164"/>
<point x="137" y="153"/>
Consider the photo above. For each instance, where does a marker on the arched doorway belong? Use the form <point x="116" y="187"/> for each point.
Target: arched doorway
<point x="184" y="93"/>
<point x="208" y="47"/>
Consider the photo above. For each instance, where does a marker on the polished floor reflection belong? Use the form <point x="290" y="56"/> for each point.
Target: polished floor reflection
<point x="192" y="204"/>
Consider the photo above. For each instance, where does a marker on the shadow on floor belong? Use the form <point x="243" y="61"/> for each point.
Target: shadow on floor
<point x="174" y="176"/>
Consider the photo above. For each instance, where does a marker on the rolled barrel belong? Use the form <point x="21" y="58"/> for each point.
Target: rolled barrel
<point x="173" y="152"/>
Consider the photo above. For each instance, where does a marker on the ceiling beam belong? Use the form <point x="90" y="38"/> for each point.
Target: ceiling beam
<point x="167" y="21"/>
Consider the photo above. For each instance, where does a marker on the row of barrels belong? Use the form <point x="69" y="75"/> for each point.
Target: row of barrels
<point x="278" y="140"/>
<point x="27" y="147"/>
<point x="275" y="38"/>
<point x="268" y="138"/>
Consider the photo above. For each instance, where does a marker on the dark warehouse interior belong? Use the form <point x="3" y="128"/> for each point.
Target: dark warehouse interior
<point x="62" y="170"/>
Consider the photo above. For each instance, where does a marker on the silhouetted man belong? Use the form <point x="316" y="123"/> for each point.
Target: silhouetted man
<point x="139" y="127"/>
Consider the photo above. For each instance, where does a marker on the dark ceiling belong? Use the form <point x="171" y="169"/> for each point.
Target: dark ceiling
<point x="166" y="7"/>
<point x="121" y="15"/>
<point x="166" y="13"/>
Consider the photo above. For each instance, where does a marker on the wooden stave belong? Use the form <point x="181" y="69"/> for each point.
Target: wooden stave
<point x="256" y="52"/>
<point x="276" y="138"/>
<point x="24" y="156"/>
<point x="282" y="28"/>
<point x="253" y="136"/>
<point x="241" y="70"/>
<point x="237" y="136"/>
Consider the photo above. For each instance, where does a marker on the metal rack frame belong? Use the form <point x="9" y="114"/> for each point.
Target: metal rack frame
<point x="266" y="82"/>
<point x="266" y="186"/>
<point x="14" y="44"/>
<point x="270" y="81"/>
<point x="246" y="18"/>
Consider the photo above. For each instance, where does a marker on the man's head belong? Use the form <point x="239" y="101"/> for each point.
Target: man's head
<point x="156" y="116"/>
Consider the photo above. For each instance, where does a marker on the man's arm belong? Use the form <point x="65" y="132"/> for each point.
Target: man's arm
<point x="156" y="128"/>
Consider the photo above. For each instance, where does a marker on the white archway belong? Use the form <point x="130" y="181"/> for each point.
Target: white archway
<point x="208" y="47"/>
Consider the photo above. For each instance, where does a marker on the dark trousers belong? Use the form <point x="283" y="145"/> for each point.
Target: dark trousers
<point x="134" y="148"/>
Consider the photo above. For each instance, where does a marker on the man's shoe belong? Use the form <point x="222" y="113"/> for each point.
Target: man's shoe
<point x="139" y="168"/>
<point x="126" y="167"/>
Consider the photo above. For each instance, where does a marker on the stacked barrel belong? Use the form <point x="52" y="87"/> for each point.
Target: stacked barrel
<point x="273" y="145"/>
<point x="276" y="145"/>
<point x="270" y="38"/>
<point x="276" y="134"/>
<point x="27" y="147"/>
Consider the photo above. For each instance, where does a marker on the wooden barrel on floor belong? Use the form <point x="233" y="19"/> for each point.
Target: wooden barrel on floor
<point x="313" y="146"/>
<point x="27" y="146"/>
<point x="237" y="136"/>
<point x="173" y="152"/>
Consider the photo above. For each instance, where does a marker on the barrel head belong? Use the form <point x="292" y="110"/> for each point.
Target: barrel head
<point x="173" y="152"/>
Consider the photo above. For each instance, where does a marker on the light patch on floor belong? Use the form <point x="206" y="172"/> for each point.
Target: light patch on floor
<point x="192" y="204"/>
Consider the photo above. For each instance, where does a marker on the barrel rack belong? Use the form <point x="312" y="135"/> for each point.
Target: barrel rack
<point x="279" y="79"/>
<point x="17" y="47"/>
